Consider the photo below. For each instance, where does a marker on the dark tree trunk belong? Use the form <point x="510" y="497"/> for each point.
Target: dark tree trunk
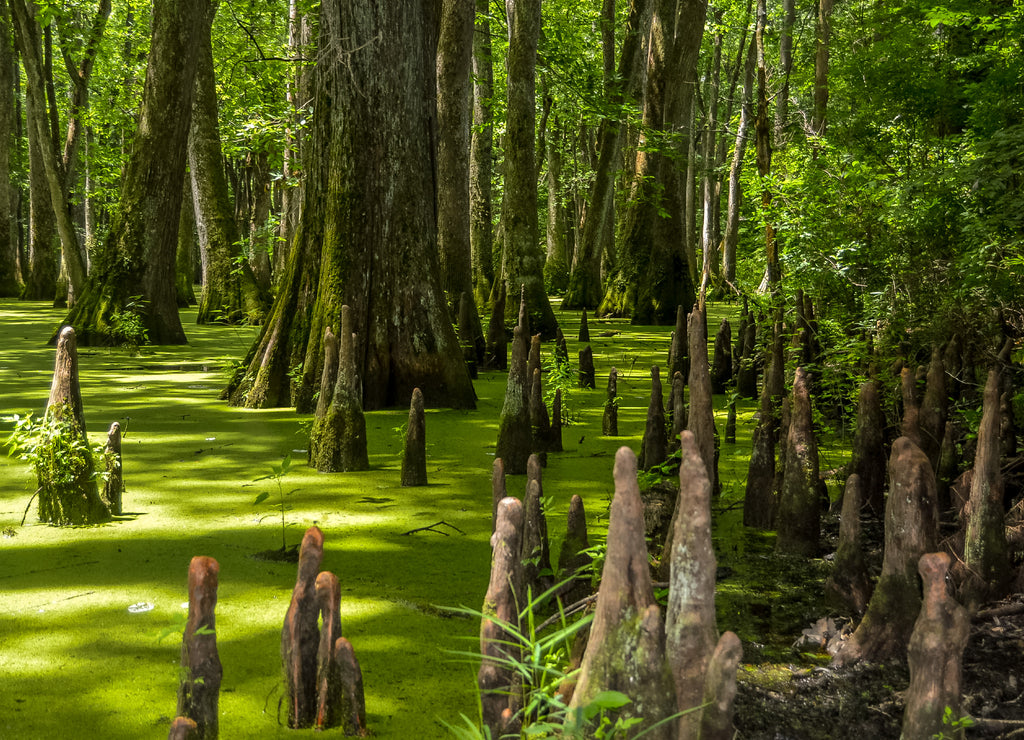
<point x="134" y="271"/>
<point x="522" y="262"/>
<point x="186" y="255"/>
<point x="27" y="35"/>
<point x="481" y="147"/>
<point x="230" y="293"/>
<point x="10" y="280"/>
<point x="41" y="280"/>
<point x="822" y="39"/>
<point x="732" y="217"/>
<point x="585" y="278"/>
<point x="367" y="237"/>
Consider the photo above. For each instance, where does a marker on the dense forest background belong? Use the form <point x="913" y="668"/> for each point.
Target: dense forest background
<point x="867" y="153"/>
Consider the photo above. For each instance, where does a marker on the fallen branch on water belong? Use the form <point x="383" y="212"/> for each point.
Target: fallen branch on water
<point x="436" y="531"/>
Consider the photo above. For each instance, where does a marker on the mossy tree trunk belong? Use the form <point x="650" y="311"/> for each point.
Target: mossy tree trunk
<point x="653" y="276"/>
<point x="10" y="280"/>
<point x="481" y="156"/>
<point x="522" y="260"/>
<point x="135" y="268"/>
<point x="41" y="277"/>
<point x="230" y="293"/>
<point x="454" y="106"/>
<point x="585" y="277"/>
<point x="367" y="237"/>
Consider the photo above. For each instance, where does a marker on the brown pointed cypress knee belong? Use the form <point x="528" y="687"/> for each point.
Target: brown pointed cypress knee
<point x="588" y="378"/>
<point x="654" y="446"/>
<point x="199" y="688"/>
<point x="690" y="627"/>
<point x="573" y="560"/>
<point x="540" y="425"/>
<point x="414" y="454"/>
<point x="610" y="420"/>
<point x="584" y="335"/>
<point x="934" y="405"/>
<point x="868" y="456"/>
<point x="701" y="420"/>
<point x="626" y="650"/>
<point x="677" y="403"/>
<point x="760" y="501"/>
<point x="911" y="530"/>
<point x="986" y="554"/>
<point x="849" y="586"/>
<point x="496" y="353"/>
<point x="183" y="728"/>
<point x="498" y="490"/>
<point x="555" y="437"/>
<point x="300" y="637"/>
<point x="720" y="689"/>
<point x="799" y="517"/>
<point x="352" y="711"/>
<point x="505" y="595"/>
<point x="678" y="353"/>
<point x="514" y="439"/>
<point x="113" y="481"/>
<point x="721" y="366"/>
<point x="935" y="654"/>
<point x="536" y="545"/>
<point x="328" y="684"/>
<point x="68" y="495"/>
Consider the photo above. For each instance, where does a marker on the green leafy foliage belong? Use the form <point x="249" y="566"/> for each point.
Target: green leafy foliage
<point x="277" y="474"/>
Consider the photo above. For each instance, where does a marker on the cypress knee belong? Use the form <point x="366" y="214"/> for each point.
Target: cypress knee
<point x="505" y="594"/>
<point x="626" y="650"/>
<point x="199" y="689"/>
<point x="610" y="420"/>
<point x="911" y="530"/>
<point x="514" y="440"/>
<point x="588" y="378"/>
<point x="721" y="367"/>
<point x="849" y="586"/>
<point x="300" y="637"/>
<point x="935" y="654"/>
<point x="799" y="520"/>
<point x="414" y="455"/>
<point x="653" y="448"/>
<point x="113" y="483"/>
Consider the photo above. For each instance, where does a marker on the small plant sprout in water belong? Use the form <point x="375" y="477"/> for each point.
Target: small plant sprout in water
<point x="277" y="474"/>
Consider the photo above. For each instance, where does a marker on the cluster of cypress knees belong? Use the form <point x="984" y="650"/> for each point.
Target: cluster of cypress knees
<point x="679" y="673"/>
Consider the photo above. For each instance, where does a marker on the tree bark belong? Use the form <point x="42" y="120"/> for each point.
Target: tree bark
<point x="454" y="110"/>
<point x="10" y="280"/>
<point x="709" y="235"/>
<point x="773" y="276"/>
<point x="367" y="237"/>
<point x="522" y="263"/>
<point x="480" y="157"/>
<point x="297" y="95"/>
<point x="822" y="40"/>
<point x="41" y="280"/>
<point x="732" y="219"/>
<point x="786" y="65"/>
<point x="585" y="279"/>
<point x="27" y="35"/>
<point x="230" y="293"/>
<point x="135" y="267"/>
<point x="653" y="277"/>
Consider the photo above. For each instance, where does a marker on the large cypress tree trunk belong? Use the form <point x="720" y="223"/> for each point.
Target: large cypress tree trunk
<point x="522" y="261"/>
<point x="653" y="276"/>
<point x="367" y="237"/>
<point x="135" y="267"/>
<point x="230" y="293"/>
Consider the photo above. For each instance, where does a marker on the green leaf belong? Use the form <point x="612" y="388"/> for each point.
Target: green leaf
<point x="261" y="498"/>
